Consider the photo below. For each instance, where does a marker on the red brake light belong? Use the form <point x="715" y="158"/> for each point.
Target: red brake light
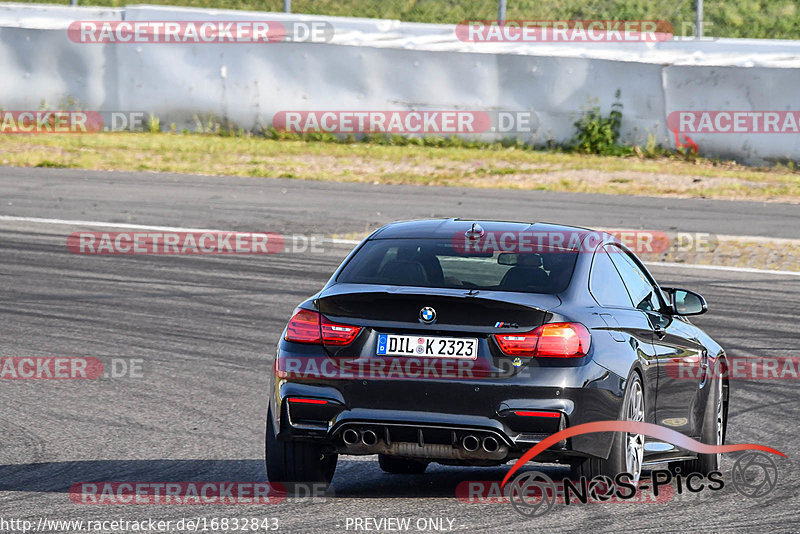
<point x="308" y="326"/>
<point x="303" y="327"/>
<point x="299" y="400"/>
<point x="523" y="413"/>
<point x="552" y="340"/>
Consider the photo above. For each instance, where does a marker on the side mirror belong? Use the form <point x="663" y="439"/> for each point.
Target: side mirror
<point x="685" y="302"/>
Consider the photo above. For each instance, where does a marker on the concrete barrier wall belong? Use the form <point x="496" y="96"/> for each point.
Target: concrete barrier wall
<point x="387" y="65"/>
<point x="739" y="89"/>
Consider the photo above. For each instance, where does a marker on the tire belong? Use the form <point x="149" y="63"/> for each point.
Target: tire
<point x="295" y="462"/>
<point x="713" y="433"/>
<point x="401" y="466"/>
<point x="627" y="450"/>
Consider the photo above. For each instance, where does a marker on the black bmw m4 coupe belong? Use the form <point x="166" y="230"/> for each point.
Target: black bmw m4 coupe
<point x="468" y="342"/>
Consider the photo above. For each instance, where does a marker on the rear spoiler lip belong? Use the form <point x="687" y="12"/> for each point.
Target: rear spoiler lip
<point x="532" y="302"/>
<point x="510" y="297"/>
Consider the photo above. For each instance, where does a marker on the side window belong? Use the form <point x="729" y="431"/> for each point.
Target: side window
<point x="605" y="283"/>
<point x="641" y="290"/>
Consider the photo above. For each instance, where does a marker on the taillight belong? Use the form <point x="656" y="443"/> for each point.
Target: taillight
<point x="563" y="340"/>
<point x="308" y="326"/>
<point x="518" y="344"/>
<point x="303" y="327"/>
<point x="552" y="340"/>
<point x="338" y="334"/>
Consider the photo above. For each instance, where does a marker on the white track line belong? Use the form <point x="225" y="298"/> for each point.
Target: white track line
<point x="105" y="224"/>
<point x="129" y="226"/>
<point x="719" y="268"/>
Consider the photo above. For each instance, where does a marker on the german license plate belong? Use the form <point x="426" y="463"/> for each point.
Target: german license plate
<point x="428" y="346"/>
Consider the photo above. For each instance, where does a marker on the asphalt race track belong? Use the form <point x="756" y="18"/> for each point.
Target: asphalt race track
<point x="296" y="206"/>
<point x="205" y="328"/>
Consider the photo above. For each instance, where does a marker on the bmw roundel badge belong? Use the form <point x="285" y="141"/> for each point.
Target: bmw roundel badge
<point x="427" y="315"/>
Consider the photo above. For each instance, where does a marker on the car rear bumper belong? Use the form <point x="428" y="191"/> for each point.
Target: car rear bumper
<point x="432" y="418"/>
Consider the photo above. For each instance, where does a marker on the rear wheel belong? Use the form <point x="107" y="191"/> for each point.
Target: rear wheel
<point x="401" y="466"/>
<point x="292" y="462"/>
<point x="627" y="450"/>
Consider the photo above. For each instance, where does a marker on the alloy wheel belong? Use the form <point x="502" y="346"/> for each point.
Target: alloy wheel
<point x="634" y="443"/>
<point x="720" y="419"/>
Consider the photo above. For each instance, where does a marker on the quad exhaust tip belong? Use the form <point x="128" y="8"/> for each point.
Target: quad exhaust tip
<point x="490" y="444"/>
<point x="470" y="443"/>
<point x="350" y="436"/>
<point x="369" y="438"/>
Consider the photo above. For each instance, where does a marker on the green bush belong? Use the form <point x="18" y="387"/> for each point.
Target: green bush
<point x="597" y="134"/>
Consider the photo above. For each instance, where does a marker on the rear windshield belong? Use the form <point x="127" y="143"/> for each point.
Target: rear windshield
<point x="437" y="263"/>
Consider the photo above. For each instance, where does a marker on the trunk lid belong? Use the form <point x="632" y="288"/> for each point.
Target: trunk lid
<point x="457" y="310"/>
<point x="460" y="313"/>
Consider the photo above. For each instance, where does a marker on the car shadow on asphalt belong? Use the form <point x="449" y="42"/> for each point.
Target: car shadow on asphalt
<point x="354" y="478"/>
<point x="60" y="476"/>
<point x="364" y="479"/>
